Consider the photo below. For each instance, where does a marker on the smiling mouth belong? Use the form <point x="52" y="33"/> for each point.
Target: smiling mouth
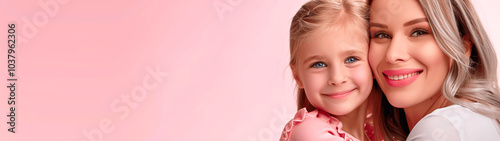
<point x="403" y="76"/>
<point x="340" y="95"/>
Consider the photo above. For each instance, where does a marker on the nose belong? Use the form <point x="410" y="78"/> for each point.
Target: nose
<point x="397" y="51"/>
<point x="338" y="75"/>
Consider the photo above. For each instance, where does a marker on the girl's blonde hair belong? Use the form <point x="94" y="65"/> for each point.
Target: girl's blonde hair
<point x="471" y="81"/>
<point x="325" y="15"/>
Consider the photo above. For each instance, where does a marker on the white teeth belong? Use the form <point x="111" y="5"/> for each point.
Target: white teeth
<point x="400" y="77"/>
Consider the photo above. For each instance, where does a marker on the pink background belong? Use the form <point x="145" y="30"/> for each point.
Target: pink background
<point x="224" y="77"/>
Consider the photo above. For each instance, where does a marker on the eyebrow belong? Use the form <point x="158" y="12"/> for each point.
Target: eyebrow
<point x="415" y="21"/>
<point x="412" y="22"/>
<point x="378" y="25"/>
<point x="353" y="51"/>
<point x="308" y="59"/>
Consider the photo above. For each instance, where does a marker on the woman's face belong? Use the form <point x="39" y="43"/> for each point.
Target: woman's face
<point x="404" y="56"/>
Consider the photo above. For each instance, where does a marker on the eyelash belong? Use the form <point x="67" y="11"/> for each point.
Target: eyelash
<point x="314" y="65"/>
<point x="415" y="33"/>
<point x="379" y="34"/>
<point x="351" y="57"/>
<point x="348" y="60"/>
<point x="419" y="30"/>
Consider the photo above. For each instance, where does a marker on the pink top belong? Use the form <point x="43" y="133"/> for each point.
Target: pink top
<point x="316" y="125"/>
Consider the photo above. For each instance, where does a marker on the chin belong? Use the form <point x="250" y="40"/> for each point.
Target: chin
<point x="340" y="110"/>
<point x="399" y="102"/>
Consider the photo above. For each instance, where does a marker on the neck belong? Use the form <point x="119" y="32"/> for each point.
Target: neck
<point x="353" y="122"/>
<point x="417" y="112"/>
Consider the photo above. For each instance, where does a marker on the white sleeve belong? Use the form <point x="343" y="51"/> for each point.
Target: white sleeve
<point x="434" y="128"/>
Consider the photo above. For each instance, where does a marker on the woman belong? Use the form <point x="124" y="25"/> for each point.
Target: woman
<point x="436" y="65"/>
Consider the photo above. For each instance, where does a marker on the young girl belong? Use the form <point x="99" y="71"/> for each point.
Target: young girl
<point x="433" y="59"/>
<point x="328" y="58"/>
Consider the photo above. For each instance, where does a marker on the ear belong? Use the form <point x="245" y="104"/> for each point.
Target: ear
<point x="296" y="76"/>
<point x="467" y="44"/>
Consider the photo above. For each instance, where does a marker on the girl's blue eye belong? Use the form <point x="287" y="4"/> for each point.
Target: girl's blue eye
<point x="318" y="65"/>
<point x="351" y="60"/>
<point x="419" y="32"/>
<point x="381" y="36"/>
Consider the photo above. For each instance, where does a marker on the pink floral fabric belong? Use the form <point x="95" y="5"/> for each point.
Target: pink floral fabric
<point x="316" y="125"/>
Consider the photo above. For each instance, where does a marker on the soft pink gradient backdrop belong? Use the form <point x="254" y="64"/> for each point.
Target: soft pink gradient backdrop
<point x="225" y="79"/>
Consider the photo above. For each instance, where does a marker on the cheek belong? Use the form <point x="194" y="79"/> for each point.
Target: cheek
<point x="433" y="57"/>
<point x="362" y="76"/>
<point x="313" y="81"/>
<point x="375" y="56"/>
<point x="438" y="67"/>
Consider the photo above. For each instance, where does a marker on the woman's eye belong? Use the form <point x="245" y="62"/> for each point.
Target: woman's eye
<point x="381" y="36"/>
<point x="318" y="65"/>
<point x="351" y="60"/>
<point x="418" y="32"/>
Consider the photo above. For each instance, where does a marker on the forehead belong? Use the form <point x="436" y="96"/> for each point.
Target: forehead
<point x="395" y="11"/>
<point x="335" y="40"/>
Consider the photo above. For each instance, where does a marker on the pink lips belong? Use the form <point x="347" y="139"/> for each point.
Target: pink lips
<point x="340" y="95"/>
<point x="401" y="82"/>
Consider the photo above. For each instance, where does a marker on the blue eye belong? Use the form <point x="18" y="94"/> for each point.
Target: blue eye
<point x="381" y="36"/>
<point x="351" y="60"/>
<point x="318" y="65"/>
<point x="419" y="32"/>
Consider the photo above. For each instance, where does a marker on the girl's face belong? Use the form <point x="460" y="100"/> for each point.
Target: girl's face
<point x="333" y="69"/>
<point x="404" y="56"/>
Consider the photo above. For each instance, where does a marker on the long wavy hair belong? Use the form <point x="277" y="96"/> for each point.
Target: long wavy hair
<point x="472" y="80"/>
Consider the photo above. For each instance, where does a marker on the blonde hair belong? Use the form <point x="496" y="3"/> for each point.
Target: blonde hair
<point x="471" y="81"/>
<point x="324" y="15"/>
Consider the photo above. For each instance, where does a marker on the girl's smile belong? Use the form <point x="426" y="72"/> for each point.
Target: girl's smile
<point x="340" y="94"/>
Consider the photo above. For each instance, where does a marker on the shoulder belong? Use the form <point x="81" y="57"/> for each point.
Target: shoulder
<point x="315" y="125"/>
<point x="454" y="123"/>
<point x="434" y="128"/>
